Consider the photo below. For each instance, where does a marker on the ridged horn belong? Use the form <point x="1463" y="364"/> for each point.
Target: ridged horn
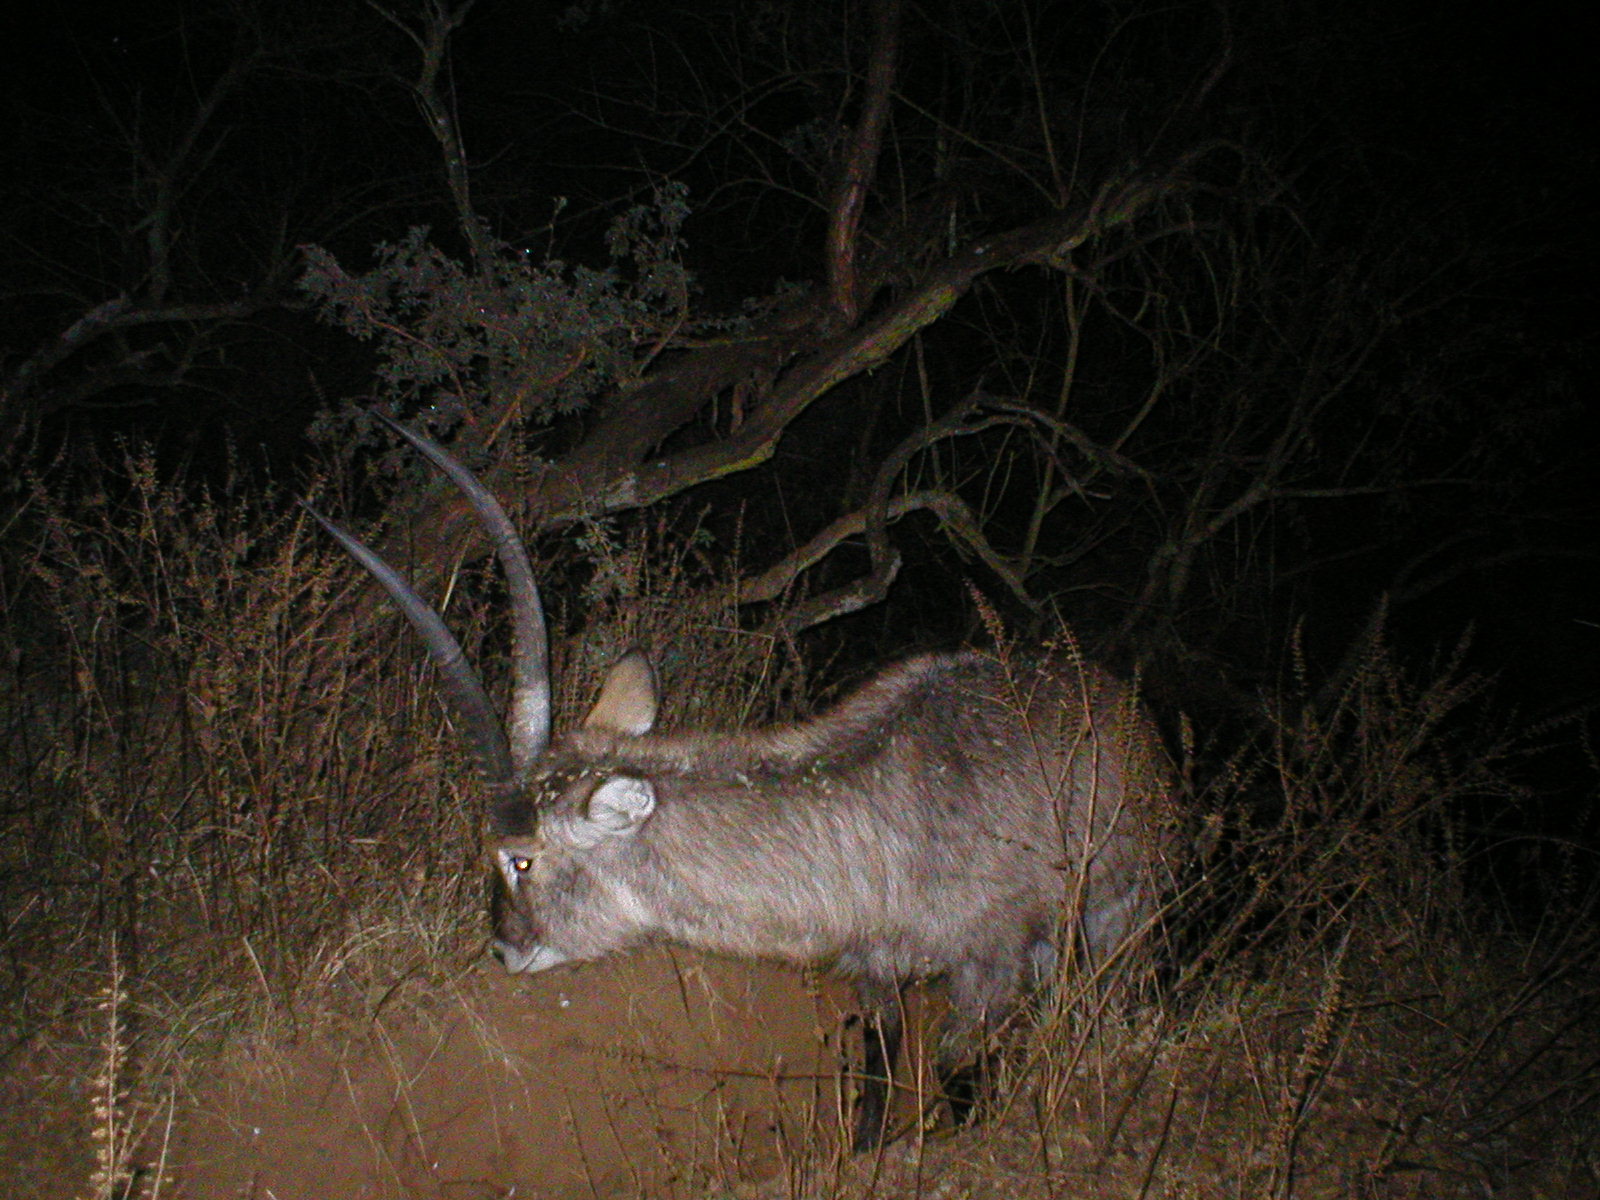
<point x="503" y="761"/>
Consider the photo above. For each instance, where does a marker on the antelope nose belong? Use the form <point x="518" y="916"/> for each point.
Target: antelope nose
<point x="519" y="961"/>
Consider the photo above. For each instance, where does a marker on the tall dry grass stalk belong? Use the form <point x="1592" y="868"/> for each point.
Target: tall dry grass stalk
<point x="1365" y="805"/>
<point x="1343" y="928"/>
<point x="259" y="802"/>
<point x="254" y="809"/>
<point x="124" y="1118"/>
<point x="219" y="787"/>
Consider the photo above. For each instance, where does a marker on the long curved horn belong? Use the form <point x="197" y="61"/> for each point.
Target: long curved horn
<point x="502" y="762"/>
<point x="476" y="719"/>
<point x="529" y="717"/>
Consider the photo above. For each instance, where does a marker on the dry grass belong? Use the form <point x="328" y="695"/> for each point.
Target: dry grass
<point x="239" y="812"/>
<point x="1354" y="1009"/>
<point x="230" y="819"/>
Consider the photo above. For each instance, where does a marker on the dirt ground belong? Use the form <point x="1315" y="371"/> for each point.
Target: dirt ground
<point x="653" y="1074"/>
<point x="666" y="1074"/>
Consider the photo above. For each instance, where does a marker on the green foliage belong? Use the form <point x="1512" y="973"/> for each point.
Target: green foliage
<point x="542" y="334"/>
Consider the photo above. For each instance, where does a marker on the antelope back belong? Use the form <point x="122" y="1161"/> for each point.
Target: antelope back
<point x="951" y="811"/>
<point x="957" y="815"/>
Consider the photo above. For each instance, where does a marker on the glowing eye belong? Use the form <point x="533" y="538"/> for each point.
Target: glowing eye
<point x="520" y="865"/>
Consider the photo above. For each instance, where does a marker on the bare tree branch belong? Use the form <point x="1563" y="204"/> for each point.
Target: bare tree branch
<point x="613" y="469"/>
<point x="861" y="162"/>
<point x="873" y="518"/>
<point x="441" y="19"/>
<point x="31" y="390"/>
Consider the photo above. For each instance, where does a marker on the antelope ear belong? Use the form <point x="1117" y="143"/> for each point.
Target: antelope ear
<point x="627" y="703"/>
<point x="619" y="806"/>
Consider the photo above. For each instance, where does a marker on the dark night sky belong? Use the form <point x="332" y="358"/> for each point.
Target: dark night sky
<point x="1470" y="110"/>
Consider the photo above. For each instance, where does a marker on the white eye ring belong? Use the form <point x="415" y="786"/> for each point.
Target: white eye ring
<point x="514" y="866"/>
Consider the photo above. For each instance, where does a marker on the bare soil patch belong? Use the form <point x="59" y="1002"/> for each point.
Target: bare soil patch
<point x="665" y="1074"/>
<point x="652" y="1074"/>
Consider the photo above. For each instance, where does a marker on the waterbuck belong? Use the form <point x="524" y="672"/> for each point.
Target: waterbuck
<point x="957" y="817"/>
